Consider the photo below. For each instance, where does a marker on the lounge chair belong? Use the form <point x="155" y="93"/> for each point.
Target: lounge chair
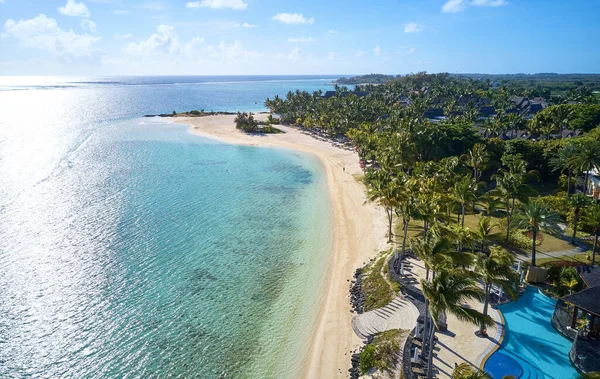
<point x="418" y="371"/>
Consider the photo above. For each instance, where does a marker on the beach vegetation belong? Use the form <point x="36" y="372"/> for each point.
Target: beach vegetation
<point x="245" y="122"/>
<point x="378" y="289"/>
<point x="383" y="352"/>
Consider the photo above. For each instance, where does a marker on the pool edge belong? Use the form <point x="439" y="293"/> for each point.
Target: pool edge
<point x="483" y="358"/>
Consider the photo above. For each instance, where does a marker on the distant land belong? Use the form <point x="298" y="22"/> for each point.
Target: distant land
<point x="557" y="82"/>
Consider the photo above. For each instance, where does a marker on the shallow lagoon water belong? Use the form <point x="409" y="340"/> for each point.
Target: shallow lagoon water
<point x="130" y="248"/>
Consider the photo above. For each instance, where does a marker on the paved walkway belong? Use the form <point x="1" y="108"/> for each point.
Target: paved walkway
<point x="399" y="314"/>
<point x="458" y="344"/>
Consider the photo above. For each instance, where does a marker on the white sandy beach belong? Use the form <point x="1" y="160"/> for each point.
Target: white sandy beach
<point x="358" y="234"/>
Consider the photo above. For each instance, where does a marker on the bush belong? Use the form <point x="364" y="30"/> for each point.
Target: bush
<point x="517" y="238"/>
<point x="558" y="203"/>
<point x="366" y="360"/>
<point x="554" y="272"/>
<point x="246" y="122"/>
<point x="270" y="129"/>
<point x="195" y="112"/>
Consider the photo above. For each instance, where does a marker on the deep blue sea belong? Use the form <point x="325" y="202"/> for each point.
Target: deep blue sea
<point x="130" y="248"/>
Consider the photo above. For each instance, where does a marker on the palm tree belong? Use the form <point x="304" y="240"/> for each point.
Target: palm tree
<point x="511" y="185"/>
<point x="586" y="157"/>
<point x="477" y="158"/>
<point x="466" y="371"/>
<point x="494" y="269"/>
<point x="592" y="218"/>
<point x="536" y="216"/>
<point x="484" y="231"/>
<point x="447" y="292"/>
<point x="407" y="208"/>
<point x="577" y="202"/>
<point x="560" y="162"/>
<point x="432" y="249"/>
<point x="464" y="191"/>
<point x="570" y="283"/>
<point x="384" y="190"/>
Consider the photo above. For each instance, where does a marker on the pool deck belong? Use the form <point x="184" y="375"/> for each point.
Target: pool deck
<point x="459" y="344"/>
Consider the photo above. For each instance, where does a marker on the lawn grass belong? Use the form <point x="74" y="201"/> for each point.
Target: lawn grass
<point x="579" y="258"/>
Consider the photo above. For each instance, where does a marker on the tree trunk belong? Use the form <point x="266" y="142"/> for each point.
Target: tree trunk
<point x="390" y="219"/>
<point x="463" y="216"/>
<point x="533" y="248"/>
<point x="507" y="224"/>
<point x="485" y="305"/>
<point x="405" y="221"/>
<point x="575" y="221"/>
<point x="569" y="183"/>
<point x="430" y="360"/>
<point x="595" y="246"/>
<point x="585" y="183"/>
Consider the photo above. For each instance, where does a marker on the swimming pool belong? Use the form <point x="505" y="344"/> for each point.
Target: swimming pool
<point x="531" y="348"/>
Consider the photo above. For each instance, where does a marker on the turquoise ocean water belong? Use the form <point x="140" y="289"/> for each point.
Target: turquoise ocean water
<point x="130" y="248"/>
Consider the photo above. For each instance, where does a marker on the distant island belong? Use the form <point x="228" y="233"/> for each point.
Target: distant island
<point x="366" y="79"/>
<point x="549" y="81"/>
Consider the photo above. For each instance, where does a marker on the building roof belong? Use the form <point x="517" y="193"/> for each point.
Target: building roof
<point x="586" y="300"/>
<point x="590" y="275"/>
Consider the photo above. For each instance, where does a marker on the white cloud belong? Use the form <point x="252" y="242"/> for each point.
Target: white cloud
<point x="246" y="25"/>
<point x="295" y="54"/>
<point x="359" y="54"/>
<point x="238" y="5"/>
<point x="412" y="50"/>
<point x="164" y="41"/>
<point x="88" y="25"/>
<point x="413" y="27"/>
<point x="301" y="39"/>
<point x="332" y="56"/>
<point x="123" y="36"/>
<point x="73" y="8"/>
<point x="488" y="3"/>
<point x="454" y="6"/>
<point x="293" y="18"/>
<point x="377" y="51"/>
<point x="332" y="32"/>
<point x="43" y="33"/>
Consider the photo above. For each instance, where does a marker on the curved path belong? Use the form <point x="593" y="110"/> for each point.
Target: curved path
<point x="399" y="314"/>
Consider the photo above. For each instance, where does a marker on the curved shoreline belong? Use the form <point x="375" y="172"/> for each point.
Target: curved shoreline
<point x="358" y="229"/>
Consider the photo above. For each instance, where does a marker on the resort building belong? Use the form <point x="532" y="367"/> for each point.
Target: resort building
<point x="593" y="188"/>
<point x="577" y="316"/>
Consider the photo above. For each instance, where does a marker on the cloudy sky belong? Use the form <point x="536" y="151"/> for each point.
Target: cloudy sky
<point x="123" y="37"/>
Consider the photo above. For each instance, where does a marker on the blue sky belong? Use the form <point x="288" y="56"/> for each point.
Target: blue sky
<point x="206" y="37"/>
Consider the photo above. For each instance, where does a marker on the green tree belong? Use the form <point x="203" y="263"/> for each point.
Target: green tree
<point x="570" y="283"/>
<point x="494" y="269"/>
<point x="477" y="158"/>
<point x="464" y="192"/>
<point x="578" y="202"/>
<point x="447" y="293"/>
<point x="536" y="216"/>
<point x="466" y="371"/>
<point x="592" y="218"/>
<point x="585" y="158"/>
<point x="385" y="191"/>
<point x="484" y="231"/>
<point x="561" y="162"/>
